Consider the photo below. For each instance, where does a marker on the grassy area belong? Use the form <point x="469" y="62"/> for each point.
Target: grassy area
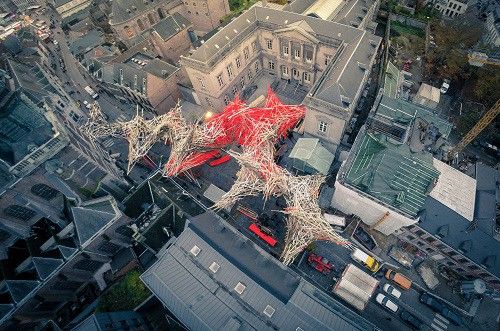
<point x="125" y="295"/>
<point x="403" y="30"/>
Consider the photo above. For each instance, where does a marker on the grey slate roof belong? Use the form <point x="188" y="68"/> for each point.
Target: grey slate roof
<point x="89" y="218"/>
<point x="46" y="266"/>
<point x="171" y="25"/>
<point x="123" y="10"/>
<point x="87" y="42"/>
<point x="455" y="232"/>
<point x="203" y="300"/>
<point x="66" y="251"/>
<point x="19" y="289"/>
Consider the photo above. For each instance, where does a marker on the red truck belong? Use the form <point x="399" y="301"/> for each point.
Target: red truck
<point x="320" y="263"/>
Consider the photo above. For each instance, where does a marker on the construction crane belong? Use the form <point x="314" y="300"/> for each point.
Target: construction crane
<point x="477" y="59"/>
<point x="473" y="133"/>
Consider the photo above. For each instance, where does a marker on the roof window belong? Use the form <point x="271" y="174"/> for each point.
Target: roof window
<point x="269" y="311"/>
<point x="240" y="288"/>
<point x="214" y="267"/>
<point x="195" y="250"/>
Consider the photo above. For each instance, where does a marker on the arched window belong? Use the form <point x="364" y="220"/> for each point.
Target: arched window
<point x="141" y="25"/>
<point x="151" y="19"/>
<point x="44" y="191"/>
<point x="19" y="212"/>
<point x="160" y="13"/>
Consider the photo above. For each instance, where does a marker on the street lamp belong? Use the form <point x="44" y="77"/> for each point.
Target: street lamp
<point x="208" y="115"/>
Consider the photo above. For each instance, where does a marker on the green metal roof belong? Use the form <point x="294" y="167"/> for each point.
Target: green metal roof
<point x="404" y="112"/>
<point x="392" y="174"/>
<point x="309" y="153"/>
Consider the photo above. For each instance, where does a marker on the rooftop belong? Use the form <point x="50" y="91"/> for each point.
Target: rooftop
<point x="391" y="173"/>
<point x="87" y="42"/>
<point x="171" y="25"/>
<point x="353" y="12"/>
<point x="212" y="277"/>
<point x="123" y="10"/>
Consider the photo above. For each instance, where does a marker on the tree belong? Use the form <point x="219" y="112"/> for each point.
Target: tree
<point x="486" y="87"/>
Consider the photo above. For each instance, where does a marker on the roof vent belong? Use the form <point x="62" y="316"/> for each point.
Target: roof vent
<point x="269" y="311"/>
<point x="216" y="46"/>
<point x="299" y="329"/>
<point x="240" y="288"/>
<point x="214" y="267"/>
<point x="195" y="250"/>
<point x="267" y="17"/>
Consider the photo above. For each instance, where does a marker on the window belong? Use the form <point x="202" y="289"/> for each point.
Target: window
<point x="430" y="239"/>
<point x="250" y="75"/>
<point x="242" y="82"/>
<point x="459" y="7"/>
<point x="140" y="24"/>
<point x="226" y="100"/>
<point x="235" y="89"/>
<point x="220" y="80"/>
<point x="160" y="13"/>
<point x="254" y="46"/>
<point x="256" y="66"/>
<point x="19" y="212"/>
<point x="214" y="267"/>
<point x="240" y="288"/>
<point x="419" y="232"/>
<point x="309" y="56"/>
<point x="271" y="65"/>
<point x="245" y="53"/>
<point x="410" y="237"/>
<point x="210" y="104"/>
<point x="297" y="53"/>
<point x="202" y="83"/>
<point x="269" y="311"/>
<point x="44" y="191"/>
<point x="194" y="4"/>
<point x="197" y="13"/>
<point x="229" y="69"/>
<point x="195" y="250"/>
<point x="295" y="72"/>
<point x="238" y="62"/>
<point x="285" y="71"/>
<point x="328" y="58"/>
<point x="307" y="77"/>
<point x="322" y="126"/>
<point x="286" y="51"/>
<point x="269" y="43"/>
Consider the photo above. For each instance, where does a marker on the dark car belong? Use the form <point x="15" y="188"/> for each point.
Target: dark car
<point x="411" y="320"/>
<point x="441" y="308"/>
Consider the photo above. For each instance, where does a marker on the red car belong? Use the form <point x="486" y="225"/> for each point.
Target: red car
<point x="320" y="263"/>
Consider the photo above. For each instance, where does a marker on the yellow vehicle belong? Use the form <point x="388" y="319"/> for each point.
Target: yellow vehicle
<point x="369" y="262"/>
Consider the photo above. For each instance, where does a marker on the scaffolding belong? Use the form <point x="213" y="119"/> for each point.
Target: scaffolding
<point x="255" y="130"/>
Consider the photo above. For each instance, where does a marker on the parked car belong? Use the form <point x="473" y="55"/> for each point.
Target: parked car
<point x="87" y="104"/>
<point x="398" y="278"/>
<point x="445" y="86"/>
<point x="386" y="303"/>
<point x="411" y="320"/>
<point x="320" y="263"/>
<point x="388" y="288"/>
<point x="441" y="308"/>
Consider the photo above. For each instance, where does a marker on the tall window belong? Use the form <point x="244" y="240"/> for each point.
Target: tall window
<point x="307" y="77"/>
<point x="202" y="83"/>
<point x="141" y="25"/>
<point x="328" y="58"/>
<point x="235" y="89"/>
<point x="295" y="72"/>
<point x="271" y="65"/>
<point x="322" y="127"/>
<point x="226" y="100"/>
<point x="269" y="43"/>
<point x="286" y="51"/>
<point x="309" y="56"/>
<point x="285" y="71"/>
<point x="229" y="69"/>
<point x="250" y="75"/>
<point x="242" y="82"/>
<point x="210" y="104"/>
<point x="160" y="13"/>
<point x="297" y="53"/>
<point x="238" y="62"/>
<point x="254" y="46"/>
<point x="220" y="80"/>
<point x="245" y="53"/>
<point x="256" y="65"/>
<point x="44" y="191"/>
<point x="19" y="212"/>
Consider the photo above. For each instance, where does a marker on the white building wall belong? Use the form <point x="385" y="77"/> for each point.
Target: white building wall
<point x="349" y="201"/>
